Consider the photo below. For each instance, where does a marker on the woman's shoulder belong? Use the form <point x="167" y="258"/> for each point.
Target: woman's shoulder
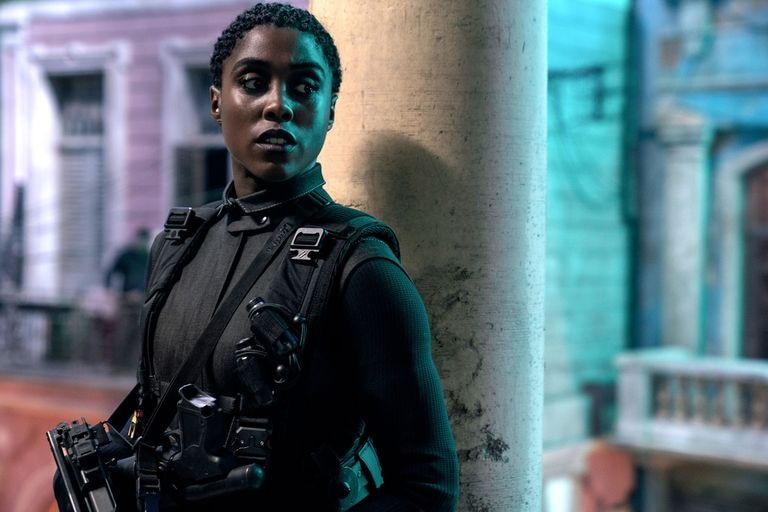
<point x="355" y="225"/>
<point x="340" y="213"/>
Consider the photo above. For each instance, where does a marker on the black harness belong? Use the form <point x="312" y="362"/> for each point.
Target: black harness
<point x="307" y="256"/>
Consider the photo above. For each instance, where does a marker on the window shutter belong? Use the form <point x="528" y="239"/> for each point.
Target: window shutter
<point x="82" y="218"/>
<point x="82" y="188"/>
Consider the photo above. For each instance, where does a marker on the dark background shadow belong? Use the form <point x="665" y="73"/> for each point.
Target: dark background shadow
<point x="428" y="204"/>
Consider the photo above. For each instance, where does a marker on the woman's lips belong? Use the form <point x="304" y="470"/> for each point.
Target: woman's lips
<point x="276" y="140"/>
<point x="271" y="145"/>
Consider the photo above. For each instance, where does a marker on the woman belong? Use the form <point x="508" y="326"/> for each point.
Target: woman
<point x="353" y="415"/>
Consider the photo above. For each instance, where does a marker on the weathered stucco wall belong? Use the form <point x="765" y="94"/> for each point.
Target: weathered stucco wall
<point x="441" y="132"/>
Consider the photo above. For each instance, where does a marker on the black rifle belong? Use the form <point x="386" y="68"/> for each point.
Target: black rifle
<point x="192" y="459"/>
<point x="84" y="466"/>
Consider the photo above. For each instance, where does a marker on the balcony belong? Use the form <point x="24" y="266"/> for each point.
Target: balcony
<point x="697" y="428"/>
<point x="54" y="336"/>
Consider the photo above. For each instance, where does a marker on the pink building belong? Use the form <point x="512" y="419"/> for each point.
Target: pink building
<point x="105" y="125"/>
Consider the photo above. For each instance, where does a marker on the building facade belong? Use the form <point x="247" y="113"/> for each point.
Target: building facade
<point x="591" y="222"/>
<point x="692" y="410"/>
<point x="702" y="139"/>
<point x="105" y="125"/>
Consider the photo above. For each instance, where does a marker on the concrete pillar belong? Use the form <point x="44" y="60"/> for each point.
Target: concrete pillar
<point x="686" y="139"/>
<point x="441" y="132"/>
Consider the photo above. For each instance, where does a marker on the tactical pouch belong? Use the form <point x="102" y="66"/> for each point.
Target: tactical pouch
<point x="213" y="452"/>
<point x="361" y="474"/>
<point x="354" y="476"/>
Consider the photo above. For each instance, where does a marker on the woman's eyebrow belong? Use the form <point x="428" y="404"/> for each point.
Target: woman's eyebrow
<point x="252" y="62"/>
<point x="309" y="65"/>
<point x="249" y="62"/>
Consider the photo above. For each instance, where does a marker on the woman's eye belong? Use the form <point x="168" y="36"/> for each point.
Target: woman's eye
<point x="305" y="88"/>
<point x="252" y="84"/>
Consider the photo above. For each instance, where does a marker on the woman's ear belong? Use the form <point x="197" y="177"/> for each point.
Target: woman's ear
<point x="215" y="104"/>
<point x="332" y="114"/>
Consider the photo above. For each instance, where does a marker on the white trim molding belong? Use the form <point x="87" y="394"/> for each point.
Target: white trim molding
<point x="179" y="117"/>
<point x="37" y="141"/>
<point x="686" y="137"/>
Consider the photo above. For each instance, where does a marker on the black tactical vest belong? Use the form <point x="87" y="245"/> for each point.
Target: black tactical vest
<point x="313" y="254"/>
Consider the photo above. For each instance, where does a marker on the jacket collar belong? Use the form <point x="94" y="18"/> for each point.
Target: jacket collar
<point x="257" y="211"/>
<point x="277" y="194"/>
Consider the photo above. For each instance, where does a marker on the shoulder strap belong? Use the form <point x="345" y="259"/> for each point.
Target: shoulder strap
<point x="362" y="470"/>
<point x="185" y="229"/>
<point x="297" y="289"/>
<point x="375" y="248"/>
<point x="347" y="226"/>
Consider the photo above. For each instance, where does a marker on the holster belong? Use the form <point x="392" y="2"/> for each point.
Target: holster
<point x="352" y="477"/>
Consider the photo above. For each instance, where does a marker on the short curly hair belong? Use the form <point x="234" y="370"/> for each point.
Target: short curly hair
<point x="279" y="15"/>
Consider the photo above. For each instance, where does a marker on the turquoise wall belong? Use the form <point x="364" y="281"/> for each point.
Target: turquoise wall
<point x="588" y="244"/>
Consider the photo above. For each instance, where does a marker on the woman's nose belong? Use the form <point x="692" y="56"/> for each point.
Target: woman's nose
<point x="277" y="107"/>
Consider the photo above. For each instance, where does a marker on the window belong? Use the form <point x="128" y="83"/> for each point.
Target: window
<point x="201" y="165"/>
<point x="201" y="175"/>
<point x="199" y="80"/>
<point x="82" y="182"/>
<point x="756" y="264"/>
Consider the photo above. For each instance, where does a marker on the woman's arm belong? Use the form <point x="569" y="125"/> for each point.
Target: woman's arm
<point x="399" y="390"/>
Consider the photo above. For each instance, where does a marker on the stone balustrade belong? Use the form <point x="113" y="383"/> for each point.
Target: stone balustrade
<point x="714" y="408"/>
<point x="60" y="334"/>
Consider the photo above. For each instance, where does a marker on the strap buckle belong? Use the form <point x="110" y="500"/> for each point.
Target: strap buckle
<point x="178" y="223"/>
<point x="306" y="243"/>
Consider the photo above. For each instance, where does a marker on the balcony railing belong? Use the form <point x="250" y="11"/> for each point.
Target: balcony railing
<point x="671" y="401"/>
<point x="48" y="335"/>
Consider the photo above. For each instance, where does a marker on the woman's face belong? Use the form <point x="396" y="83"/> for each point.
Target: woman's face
<point x="275" y="105"/>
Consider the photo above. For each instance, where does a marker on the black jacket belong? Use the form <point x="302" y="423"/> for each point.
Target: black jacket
<point x="371" y="362"/>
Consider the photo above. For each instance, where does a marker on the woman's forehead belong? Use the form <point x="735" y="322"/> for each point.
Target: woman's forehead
<point x="277" y="45"/>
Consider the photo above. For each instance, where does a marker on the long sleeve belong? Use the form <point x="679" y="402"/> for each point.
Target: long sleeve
<point x="399" y="390"/>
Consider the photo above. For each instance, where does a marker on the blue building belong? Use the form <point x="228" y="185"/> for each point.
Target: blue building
<point x="692" y="406"/>
<point x="657" y="216"/>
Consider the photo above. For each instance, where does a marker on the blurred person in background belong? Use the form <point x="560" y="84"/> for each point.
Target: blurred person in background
<point x="128" y="271"/>
<point x="125" y="279"/>
<point x="108" y="323"/>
